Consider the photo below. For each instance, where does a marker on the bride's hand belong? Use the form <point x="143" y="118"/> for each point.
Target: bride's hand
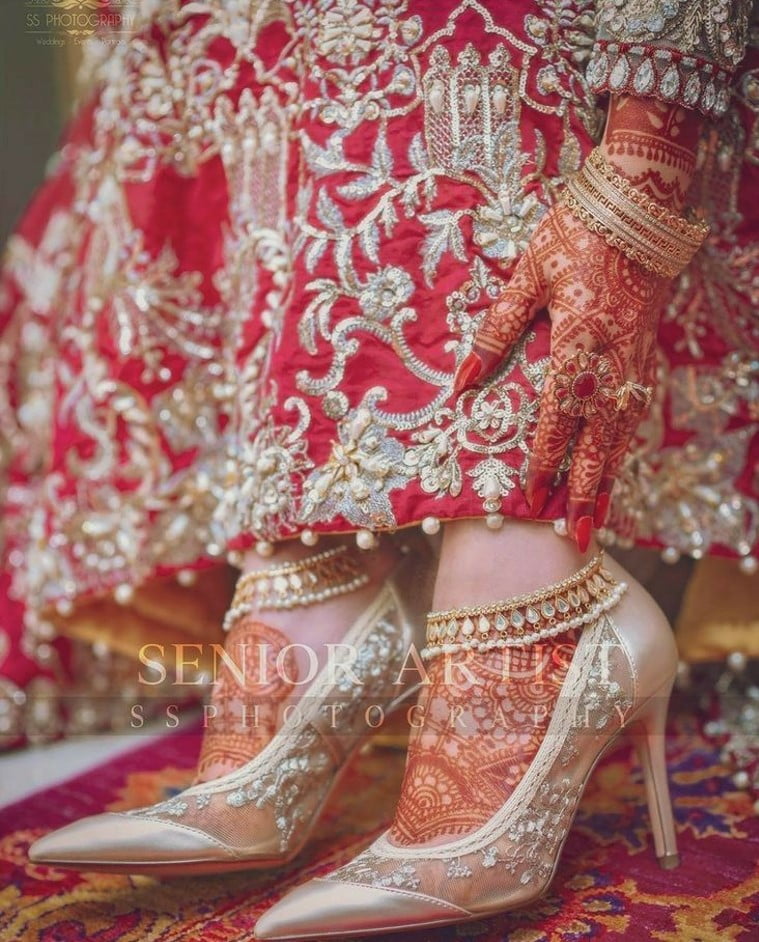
<point x="604" y="311"/>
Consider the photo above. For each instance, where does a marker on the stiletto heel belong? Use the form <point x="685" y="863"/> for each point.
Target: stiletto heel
<point x="649" y="738"/>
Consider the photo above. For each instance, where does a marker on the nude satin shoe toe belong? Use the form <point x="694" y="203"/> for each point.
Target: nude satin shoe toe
<point x="314" y="906"/>
<point x="112" y="840"/>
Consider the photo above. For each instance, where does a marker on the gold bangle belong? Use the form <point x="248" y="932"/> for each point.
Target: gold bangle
<point x="694" y="232"/>
<point x="642" y="229"/>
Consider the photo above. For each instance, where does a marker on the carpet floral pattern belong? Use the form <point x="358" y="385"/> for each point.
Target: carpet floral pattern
<point x="608" y="884"/>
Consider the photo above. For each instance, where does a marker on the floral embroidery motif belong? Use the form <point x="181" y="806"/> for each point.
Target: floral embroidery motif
<point x="364" y="467"/>
<point x="490" y="422"/>
<point x="347" y="33"/>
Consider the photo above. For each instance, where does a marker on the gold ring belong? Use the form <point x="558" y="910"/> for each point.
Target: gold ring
<point x="629" y="391"/>
<point x="583" y="384"/>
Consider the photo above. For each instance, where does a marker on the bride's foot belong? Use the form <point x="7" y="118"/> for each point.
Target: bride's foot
<point x="492" y="787"/>
<point x="261" y="812"/>
<point x="485" y="710"/>
<point x="271" y="651"/>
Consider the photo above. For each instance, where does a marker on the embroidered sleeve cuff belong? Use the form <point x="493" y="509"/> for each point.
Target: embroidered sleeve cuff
<point x="656" y="72"/>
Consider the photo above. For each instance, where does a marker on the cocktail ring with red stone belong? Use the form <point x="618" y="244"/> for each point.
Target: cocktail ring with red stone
<point x="583" y="384"/>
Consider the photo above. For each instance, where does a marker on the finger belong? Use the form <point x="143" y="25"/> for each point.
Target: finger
<point x="585" y="472"/>
<point x="553" y="433"/>
<point x="619" y="448"/>
<point x="629" y="419"/>
<point x="476" y="365"/>
<point x="577" y="387"/>
<point x="603" y="499"/>
<point x="617" y="451"/>
<point x="506" y="320"/>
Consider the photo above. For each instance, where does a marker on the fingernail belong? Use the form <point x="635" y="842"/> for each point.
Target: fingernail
<point x="537" y="489"/>
<point x="537" y="498"/>
<point x="602" y="509"/>
<point x="583" y="531"/>
<point x="468" y="373"/>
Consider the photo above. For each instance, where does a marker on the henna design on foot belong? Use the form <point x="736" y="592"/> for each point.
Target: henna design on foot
<point x="243" y="718"/>
<point x="488" y="714"/>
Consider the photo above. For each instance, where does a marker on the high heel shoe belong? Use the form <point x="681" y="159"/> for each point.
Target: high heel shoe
<point x="262" y="814"/>
<point x="618" y="681"/>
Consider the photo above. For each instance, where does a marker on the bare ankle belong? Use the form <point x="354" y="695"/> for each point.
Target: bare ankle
<point x="478" y="565"/>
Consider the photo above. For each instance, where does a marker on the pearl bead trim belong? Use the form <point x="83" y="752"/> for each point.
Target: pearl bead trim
<point x="585" y="618"/>
<point x="302" y="582"/>
<point x="571" y="603"/>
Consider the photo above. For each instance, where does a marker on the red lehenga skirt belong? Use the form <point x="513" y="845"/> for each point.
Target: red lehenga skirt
<point x="234" y="309"/>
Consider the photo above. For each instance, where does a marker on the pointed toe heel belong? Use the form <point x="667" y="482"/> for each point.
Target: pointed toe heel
<point x="262" y="814"/>
<point x="618" y="682"/>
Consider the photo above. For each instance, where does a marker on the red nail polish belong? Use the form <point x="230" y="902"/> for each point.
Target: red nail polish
<point x="583" y="531"/>
<point x="602" y="509"/>
<point x="468" y="373"/>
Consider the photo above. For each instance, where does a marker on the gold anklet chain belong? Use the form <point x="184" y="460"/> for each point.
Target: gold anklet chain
<point x="301" y="582"/>
<point x="571" y="603"/>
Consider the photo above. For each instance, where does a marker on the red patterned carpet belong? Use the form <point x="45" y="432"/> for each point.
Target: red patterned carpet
<point x="608" y="884"/>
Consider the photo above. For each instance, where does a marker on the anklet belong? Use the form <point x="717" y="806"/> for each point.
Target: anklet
<point x="303" y="582"/>
<point x="572" y="603"/>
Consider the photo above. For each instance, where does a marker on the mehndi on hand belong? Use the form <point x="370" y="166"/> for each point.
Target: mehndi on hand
<point x="600" y="261"/>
